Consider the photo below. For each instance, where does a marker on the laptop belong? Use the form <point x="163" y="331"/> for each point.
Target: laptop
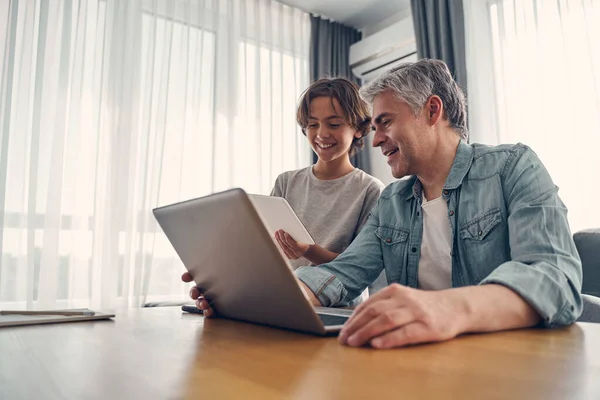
<point x="224" y="244"/>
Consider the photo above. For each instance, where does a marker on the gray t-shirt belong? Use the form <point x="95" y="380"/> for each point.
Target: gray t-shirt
<point x="333" y="211"/>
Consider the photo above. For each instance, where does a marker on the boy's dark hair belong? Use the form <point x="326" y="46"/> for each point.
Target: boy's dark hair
<point x="355" y="110"/>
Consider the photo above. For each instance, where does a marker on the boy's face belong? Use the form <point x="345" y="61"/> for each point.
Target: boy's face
<point x="328" y="133"/>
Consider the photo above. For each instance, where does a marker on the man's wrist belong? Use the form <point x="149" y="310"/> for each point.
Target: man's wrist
<point x="463" y="310"/>
<point x="490" y="308"/>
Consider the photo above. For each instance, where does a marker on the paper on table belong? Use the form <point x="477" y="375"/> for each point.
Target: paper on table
<point x="17" y="320"/>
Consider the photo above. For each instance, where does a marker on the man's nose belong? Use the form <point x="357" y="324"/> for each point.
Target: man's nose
<point x="378" y="138"/>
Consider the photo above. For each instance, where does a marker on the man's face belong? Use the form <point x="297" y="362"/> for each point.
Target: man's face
<point x="402" y="136"/>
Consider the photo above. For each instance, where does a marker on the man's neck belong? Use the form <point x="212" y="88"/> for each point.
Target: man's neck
<point x="334" y="169"/>
<point x="437" y="169"/>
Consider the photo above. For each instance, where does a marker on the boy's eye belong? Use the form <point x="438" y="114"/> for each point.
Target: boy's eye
<point x="334" y="125"/>
<point x="312" y="126"/>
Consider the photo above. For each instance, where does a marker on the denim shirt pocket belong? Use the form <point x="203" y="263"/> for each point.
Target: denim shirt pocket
<point x="484" y="240"/>
<point x="479" y="227"/>
<point x="390" y="236"/>
<point x="393" y="247"/>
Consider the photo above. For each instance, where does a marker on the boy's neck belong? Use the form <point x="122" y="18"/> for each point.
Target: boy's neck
<point x="334" y="169"/>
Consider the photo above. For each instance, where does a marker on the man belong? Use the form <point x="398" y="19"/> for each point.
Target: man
<point x="476" y="239"/>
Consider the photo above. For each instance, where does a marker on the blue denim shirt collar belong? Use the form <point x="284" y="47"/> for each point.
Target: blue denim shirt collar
<point x="460" y="167"/>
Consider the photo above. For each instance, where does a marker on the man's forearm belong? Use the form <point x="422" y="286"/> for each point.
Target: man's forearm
<point x="319" y="255"/>
<point x="490" y="308"/>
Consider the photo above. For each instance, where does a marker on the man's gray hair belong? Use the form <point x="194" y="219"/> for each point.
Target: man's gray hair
<point x="415" y="82"/>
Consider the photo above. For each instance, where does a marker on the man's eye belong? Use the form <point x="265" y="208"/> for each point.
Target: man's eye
<point x="386" y="122"/>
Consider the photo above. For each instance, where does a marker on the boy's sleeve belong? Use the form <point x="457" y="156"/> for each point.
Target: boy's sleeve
<point x="278" y="188"/>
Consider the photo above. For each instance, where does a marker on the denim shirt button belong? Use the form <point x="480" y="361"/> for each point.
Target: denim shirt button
<point x="451" y="213"/>
<point x="480" y="233"/>
<point x="446" y="192"/>
<point x="388" y="240"/>
<point x="414" y="249"/>
<point x="572" y="308"/>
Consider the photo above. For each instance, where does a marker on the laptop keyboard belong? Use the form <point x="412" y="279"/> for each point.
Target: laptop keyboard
<point x="329" y="320"/>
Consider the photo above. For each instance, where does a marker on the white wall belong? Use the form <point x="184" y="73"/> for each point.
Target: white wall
<point x="389" y="21"/>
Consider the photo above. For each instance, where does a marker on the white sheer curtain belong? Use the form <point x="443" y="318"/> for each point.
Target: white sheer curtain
<point x="534" y="77"/>
<point x="109" y="108"/>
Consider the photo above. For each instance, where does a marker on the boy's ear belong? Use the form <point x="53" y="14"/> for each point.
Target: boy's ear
<point x="358" y="134"/>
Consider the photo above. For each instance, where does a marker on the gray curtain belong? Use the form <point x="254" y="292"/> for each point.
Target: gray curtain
<point x="440" y="34"/>
<point x="329" y="57"/>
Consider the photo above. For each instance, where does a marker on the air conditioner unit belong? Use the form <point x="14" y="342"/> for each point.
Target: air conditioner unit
<point x="383" y="50"/>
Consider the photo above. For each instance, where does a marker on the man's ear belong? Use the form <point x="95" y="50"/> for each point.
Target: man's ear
<point x="435" y="109"/>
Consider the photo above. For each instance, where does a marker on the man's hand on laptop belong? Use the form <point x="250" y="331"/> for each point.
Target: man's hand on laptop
<point x="195" y="294"/>
<point x="208" y="311"/>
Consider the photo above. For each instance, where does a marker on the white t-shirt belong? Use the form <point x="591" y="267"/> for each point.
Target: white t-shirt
<point x="435" y="263"/>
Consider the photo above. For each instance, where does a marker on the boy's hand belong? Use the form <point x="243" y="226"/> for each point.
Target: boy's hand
<point x="292" y="249"/>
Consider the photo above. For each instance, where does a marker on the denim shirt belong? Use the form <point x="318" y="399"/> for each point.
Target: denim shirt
<point x="508" y="227"/>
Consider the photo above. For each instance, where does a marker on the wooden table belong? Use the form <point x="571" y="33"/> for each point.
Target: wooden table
<point x="162" y="354"/>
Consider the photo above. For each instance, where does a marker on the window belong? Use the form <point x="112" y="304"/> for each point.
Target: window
<point x="540" y="85"/>
<point x="115" y="108"/>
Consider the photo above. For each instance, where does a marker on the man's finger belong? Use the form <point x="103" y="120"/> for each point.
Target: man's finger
<point x="366" y="314"/>
<point x="386" y="321"/>
<point x="202" y="303"/>
<point x="205" y="306"/>
<point x="195" y="293"/>
<point x="209" y="313"/>
<point x="187" y="277"/>
<point x="413" y="333"/>
<point x="383" y="294"/>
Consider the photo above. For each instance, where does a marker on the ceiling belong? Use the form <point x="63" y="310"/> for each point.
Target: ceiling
<point x="356" y="13"/>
